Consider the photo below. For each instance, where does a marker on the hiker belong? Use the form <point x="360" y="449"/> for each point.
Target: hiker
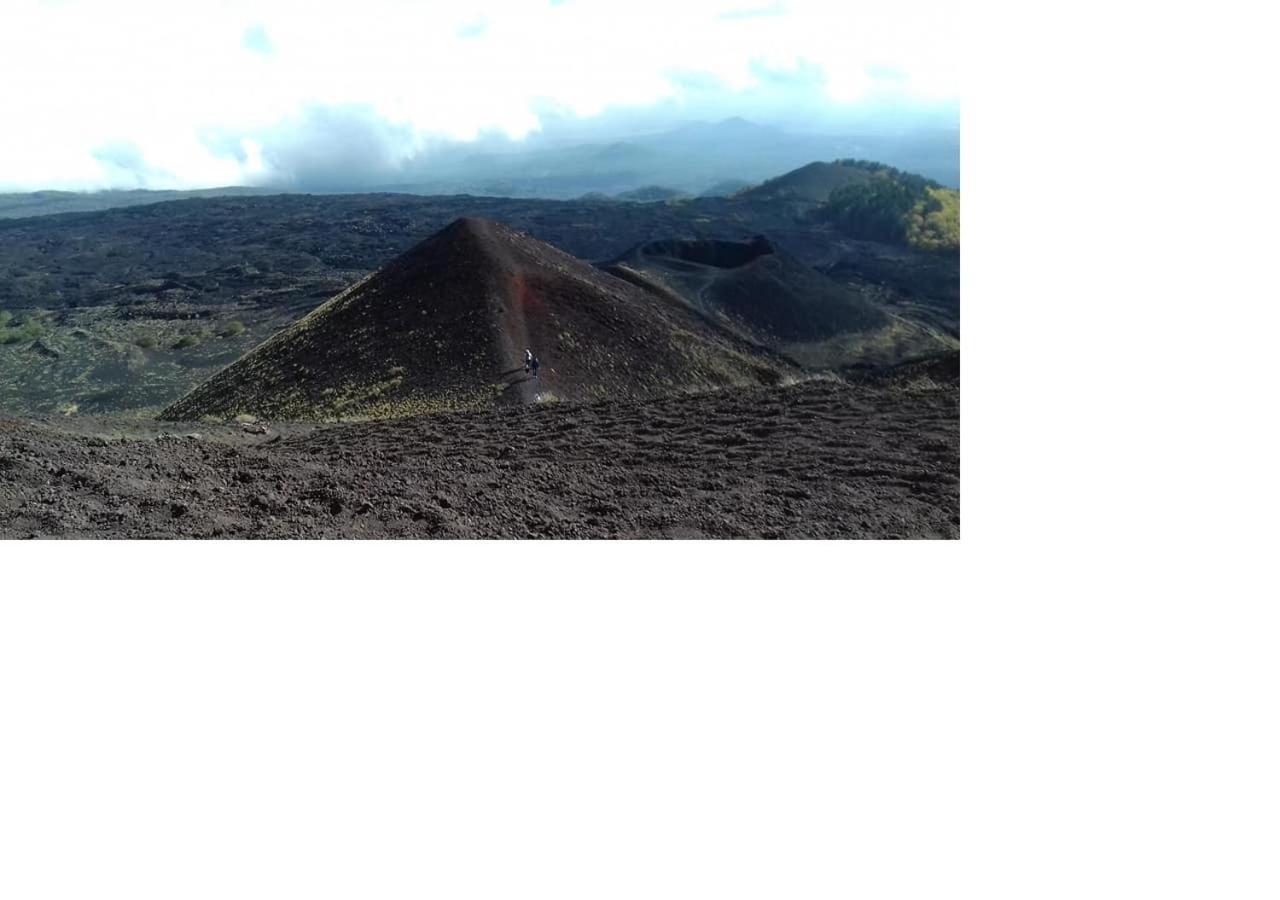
<point x="528" y="360"/>
<point x="533" y="365"/>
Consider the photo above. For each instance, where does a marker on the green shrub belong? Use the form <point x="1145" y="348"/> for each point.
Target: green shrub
<point x="232" y="329"/>
<point x="15" y="332"/>
<point x="934" y="224"/>
<point x="187" y="340"/>
<point x="146" y="341"/>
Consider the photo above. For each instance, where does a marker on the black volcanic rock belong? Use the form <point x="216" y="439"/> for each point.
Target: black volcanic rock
<point x="445" y="325"/>
<point x="753" y="287"/>
<point x="763" y="294"/>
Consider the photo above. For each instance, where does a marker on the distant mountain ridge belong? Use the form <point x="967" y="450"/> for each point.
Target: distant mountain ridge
<point x="692" y="158"/>
<point x="44" y="203"/>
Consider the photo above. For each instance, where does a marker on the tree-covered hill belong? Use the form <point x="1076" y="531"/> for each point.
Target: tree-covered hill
<point x="881" y="203"/>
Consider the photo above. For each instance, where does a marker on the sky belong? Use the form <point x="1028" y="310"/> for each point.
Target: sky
<point x="157" y="94"/>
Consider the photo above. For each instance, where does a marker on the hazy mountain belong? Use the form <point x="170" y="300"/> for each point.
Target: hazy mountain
<point x="42" y="203"/>
<point x="698" y="158"/>
<point x="693" y="158"/>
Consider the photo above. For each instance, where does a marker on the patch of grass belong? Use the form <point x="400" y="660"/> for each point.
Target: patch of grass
<point x="11" y="332"/>
<point x="232" y="329"/>
<point x="146" y="341"/>
<point x="897" y="341"/>
<point x="187" y="340"/>
<point x="791" y="380"/>
<point x="922" y="384"/>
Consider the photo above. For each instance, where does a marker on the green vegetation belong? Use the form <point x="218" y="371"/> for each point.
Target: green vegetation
<point x="934" y="224"/>
<point x="11" y="332"/>
<point x="922" y="384"/>
<point x="187" y="340"/>
<point x="652" y="193"/>
<point x="896" y="207"/>
<point x="115" y="358"/>
<point x="231" y="330"/>
<point x="898" y="340"/>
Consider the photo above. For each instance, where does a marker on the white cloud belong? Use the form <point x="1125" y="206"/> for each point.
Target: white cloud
<point x="162" y="77"/>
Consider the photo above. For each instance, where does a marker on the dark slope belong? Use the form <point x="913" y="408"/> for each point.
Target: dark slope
<point x="762" y="293"/>
<point x="822" y="459"/>
<point x="753" y="287"/>
<point x="444" y="327"/>
<point x="811" y="184"/>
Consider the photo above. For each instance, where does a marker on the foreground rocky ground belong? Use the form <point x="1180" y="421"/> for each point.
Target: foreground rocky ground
<point x="815" y="460"/>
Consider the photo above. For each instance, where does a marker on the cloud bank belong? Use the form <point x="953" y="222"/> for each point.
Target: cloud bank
<point x="145" y="93"/>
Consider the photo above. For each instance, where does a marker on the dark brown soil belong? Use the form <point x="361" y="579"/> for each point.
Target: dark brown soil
<point x="815" y="460"/>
